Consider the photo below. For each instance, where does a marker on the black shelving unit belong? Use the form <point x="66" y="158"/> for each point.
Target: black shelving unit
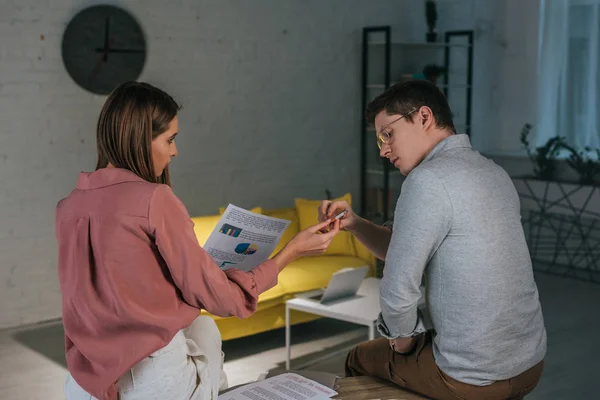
<point x="449" y="36"/>
<point x="383" y="62"/>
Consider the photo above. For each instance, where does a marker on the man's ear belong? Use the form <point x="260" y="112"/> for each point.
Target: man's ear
<point x="426" y="117"/>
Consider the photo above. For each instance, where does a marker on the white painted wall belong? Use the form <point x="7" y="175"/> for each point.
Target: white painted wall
<point x="270" y="88"/>
<point x="519" y="75"/>
<point x="505" y="57"/>
<point x="505" y="62"/>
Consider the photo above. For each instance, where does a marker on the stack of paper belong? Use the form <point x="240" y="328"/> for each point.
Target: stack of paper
<point x="281" y="387"/>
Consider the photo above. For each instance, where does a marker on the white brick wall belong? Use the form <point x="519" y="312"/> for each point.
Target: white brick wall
<point x="270" y="89"/>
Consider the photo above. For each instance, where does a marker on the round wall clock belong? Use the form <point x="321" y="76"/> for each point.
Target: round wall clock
<point x="102" y="47"/>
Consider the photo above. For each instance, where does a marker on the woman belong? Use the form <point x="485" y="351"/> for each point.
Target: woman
<point x="132" y="274"/>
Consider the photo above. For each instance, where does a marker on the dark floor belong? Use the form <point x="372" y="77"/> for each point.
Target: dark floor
<point x="32" y="362"/>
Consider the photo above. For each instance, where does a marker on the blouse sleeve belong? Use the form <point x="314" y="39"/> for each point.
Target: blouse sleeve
<point x="201" y="282"/>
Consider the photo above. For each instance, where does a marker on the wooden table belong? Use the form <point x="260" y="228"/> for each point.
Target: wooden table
<point x="367" y="388"/>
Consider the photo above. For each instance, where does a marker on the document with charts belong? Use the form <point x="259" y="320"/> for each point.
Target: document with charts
<point x="243" y="239"/>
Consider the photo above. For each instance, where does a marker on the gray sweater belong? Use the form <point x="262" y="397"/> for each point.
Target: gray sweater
<point x="458" y="224"/>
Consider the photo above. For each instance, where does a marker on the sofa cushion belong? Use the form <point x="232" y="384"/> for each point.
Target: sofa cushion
<point x="308" y="215"/>
<point x="310" y="273"/>
<point x="203" y="227"/>
<point x="288" y="214"/>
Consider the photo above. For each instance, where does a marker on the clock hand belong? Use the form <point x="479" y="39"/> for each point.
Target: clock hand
<point x="102" y="59"/>
<point x="106" y="36"/>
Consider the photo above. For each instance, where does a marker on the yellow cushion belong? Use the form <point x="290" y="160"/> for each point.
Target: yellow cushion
<point x="203" y="227"/>
<point x="288" y="214"/>
<point x="256" y="210"/>
<point x="310" y="273"/>
<point x="308" y="214"/>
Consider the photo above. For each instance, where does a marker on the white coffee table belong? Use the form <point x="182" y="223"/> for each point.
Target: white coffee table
<point x="362" y="310"/>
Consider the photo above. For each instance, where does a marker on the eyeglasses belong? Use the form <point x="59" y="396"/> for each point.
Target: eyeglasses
<point x="384" y="136"/>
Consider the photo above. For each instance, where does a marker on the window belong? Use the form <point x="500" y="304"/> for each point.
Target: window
<point x="568" y="72"/>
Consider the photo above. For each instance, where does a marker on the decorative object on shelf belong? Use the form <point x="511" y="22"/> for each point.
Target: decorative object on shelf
<point x="544" y="157"/>
<point x="431" y="16"/>
<point x="102" y="47"/>
<point x="584" y="164"/>
<point x="432" y="71"/>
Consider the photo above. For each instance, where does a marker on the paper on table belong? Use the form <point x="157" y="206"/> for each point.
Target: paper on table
<point x="243" y="239"/>
<point x="324" y="378"/>
<point x="281" y="387"/>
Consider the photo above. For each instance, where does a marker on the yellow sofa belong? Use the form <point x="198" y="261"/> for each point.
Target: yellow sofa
<point x="302" y="275"/>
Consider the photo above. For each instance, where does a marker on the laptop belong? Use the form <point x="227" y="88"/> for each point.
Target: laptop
<point x="343" y="284"/>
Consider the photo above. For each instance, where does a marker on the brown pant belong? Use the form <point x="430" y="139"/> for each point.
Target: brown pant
<point x="419" y="373"/>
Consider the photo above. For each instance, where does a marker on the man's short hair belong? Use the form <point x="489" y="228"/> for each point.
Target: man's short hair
<point x="404" y="97"/>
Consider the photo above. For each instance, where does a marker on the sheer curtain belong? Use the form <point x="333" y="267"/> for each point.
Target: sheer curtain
<point x="568" y="75"/>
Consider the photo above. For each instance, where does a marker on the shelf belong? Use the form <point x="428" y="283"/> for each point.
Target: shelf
<point x="441" y="86"/>
<point x="387" y="58"/>
<point x="420" y="44"/>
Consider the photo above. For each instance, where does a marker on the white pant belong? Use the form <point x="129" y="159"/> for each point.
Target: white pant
<point x="189" y="367"/>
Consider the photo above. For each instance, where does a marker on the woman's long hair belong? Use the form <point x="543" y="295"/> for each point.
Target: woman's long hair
<point x="133" y="115"/>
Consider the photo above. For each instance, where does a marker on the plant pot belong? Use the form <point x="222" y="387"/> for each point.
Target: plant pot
<point x="431" y="37"/>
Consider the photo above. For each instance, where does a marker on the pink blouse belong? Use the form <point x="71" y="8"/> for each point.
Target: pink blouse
<point x="132" y="274"/>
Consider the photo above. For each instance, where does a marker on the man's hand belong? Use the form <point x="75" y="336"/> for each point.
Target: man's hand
<point x="328" y="210"/>
<point x="310" y="242"/>
<point x="402" y="345"/>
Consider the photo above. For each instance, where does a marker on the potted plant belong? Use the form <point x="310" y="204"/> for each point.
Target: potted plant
<point x="432" y="71"/>
<point x="431" y="17"/>
<point x="586" y="163"/>
<point x="544" y="157"/>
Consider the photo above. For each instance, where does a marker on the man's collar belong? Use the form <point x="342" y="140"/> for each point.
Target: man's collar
<point x="455" y="141"/>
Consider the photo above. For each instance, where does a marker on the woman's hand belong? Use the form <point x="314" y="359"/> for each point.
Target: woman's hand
<point x="310" y="242"/>
<point x="329" y="209"/>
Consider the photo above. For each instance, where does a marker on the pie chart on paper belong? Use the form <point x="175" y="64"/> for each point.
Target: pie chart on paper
<point x="246" y="248"/>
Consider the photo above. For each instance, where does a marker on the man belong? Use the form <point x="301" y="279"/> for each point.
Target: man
<point x="457" y="228"/>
